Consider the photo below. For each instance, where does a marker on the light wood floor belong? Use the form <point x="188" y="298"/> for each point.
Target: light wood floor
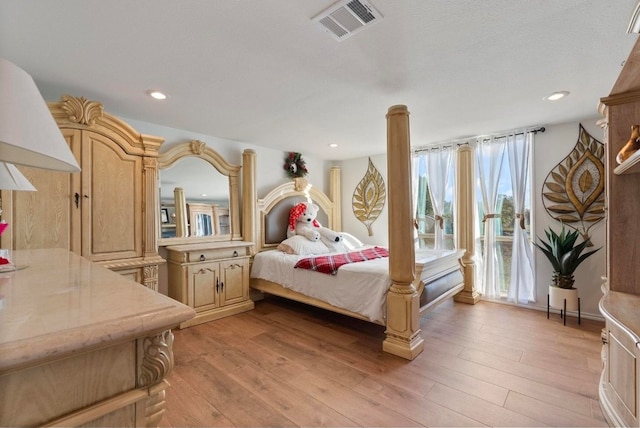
<point x="290" y="365"/>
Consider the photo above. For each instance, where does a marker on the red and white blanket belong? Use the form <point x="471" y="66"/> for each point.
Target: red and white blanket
<point x="330" y="263"/>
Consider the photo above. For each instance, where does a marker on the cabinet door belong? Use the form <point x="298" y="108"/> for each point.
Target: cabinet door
<point x="43" y="219"/>
<point x="111" y="198"/>
<point x="234" y="275"/>
<point x="203" y="278"/>
<point x="622" y="375"/>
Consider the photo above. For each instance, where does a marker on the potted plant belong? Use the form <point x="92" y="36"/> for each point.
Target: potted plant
<point x="565" y="257"/>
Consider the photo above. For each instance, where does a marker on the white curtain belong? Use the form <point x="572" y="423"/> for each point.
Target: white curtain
<point x="521" y="288"/>
<point x="415" y="179"/>
<point x="489" y="157"/>
<point x="439" y="162"/>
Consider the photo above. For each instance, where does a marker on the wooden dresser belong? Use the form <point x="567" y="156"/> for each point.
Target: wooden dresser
<point x="212" y="278"/>
<point x="81" y="345"/>
<point x="108" y="212"/>
<point x="620" y="384"/>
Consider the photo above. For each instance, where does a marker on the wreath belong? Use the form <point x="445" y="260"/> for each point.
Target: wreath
<point x="295" y="166"/>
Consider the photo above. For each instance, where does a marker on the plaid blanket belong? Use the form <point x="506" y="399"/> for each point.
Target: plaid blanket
<point x="330" y="263"/>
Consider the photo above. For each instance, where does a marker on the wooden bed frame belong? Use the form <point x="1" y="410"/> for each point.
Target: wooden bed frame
<point x="416" y="286"/>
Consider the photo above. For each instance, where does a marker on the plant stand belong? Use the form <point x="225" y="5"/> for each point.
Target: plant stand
<point x="563" y="299"/>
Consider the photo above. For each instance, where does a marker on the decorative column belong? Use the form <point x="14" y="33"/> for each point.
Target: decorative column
<point x="465" y="215"/>
<point x="403" y="302"/>
<point x="249" y="197"/>
<point x="151" y="225"/>
<point x="334" y="192"/>
<point x="180" y="204"/>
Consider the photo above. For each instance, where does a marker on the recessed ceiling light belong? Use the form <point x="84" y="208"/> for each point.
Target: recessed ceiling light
<point x="203" y="194"/>
<point x="333" y="145"/>
<point x="157" y="95"/>
<point x="556" y="96"/>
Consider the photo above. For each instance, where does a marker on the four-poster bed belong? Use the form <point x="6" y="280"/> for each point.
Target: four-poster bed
<point x="413" y="281"/>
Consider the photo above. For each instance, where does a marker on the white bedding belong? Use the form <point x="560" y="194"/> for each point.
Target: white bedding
<point x="358" y="287"/>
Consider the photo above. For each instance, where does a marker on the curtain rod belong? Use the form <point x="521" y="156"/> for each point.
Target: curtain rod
<point x="466" y="140"/>
<point x="533" y="131"/>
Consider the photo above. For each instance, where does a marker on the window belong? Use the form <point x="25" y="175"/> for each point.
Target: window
<point x="505" y="217"/>
<point x="425" y="213"/>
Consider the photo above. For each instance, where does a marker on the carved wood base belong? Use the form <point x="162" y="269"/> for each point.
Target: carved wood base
<point x="408" y="349"/>
<point x="469" y="297"/>
<point x="403" y="322"/>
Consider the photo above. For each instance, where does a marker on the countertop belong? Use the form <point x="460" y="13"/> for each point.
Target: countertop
<point x="59" y="303"/>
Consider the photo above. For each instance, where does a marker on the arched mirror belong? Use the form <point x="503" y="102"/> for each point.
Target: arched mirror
<point x="199" y="195"/>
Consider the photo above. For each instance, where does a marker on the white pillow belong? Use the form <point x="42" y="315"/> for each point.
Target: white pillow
<point x="336" y="247"/>
<point x="302" y="246"/>
<point x="350" y="241"/>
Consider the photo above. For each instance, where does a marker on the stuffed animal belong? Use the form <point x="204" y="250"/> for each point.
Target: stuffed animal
<point x="302" y="221"/>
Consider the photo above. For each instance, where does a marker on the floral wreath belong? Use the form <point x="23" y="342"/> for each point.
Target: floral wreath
<point x="295" y="166"/>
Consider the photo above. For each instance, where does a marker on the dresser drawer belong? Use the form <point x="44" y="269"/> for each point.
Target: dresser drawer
<point x="207" y="255"/>
<point x="204" y="253"/>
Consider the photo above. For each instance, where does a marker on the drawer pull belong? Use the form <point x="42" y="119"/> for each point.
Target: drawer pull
<point x="235" y="254"/>
<point x="202" y="257"/>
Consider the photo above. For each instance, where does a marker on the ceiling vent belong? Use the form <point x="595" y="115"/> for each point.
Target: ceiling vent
<point x="346" y="18"/>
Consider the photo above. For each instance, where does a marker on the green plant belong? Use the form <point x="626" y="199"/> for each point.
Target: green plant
<point x="564" y="254"/>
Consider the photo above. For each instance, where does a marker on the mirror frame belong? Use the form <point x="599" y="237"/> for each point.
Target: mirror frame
<point x="199" y="149"/>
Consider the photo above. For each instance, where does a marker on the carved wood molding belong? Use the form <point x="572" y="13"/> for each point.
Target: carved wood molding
<point x="156" y="358"/>
<point x="81" y="110"/>
<point x="131" y="263"/>
<point x="81" y="113"/>
<point x="199" y="149"/>
<point x="150" y="277"/>
<point x="156" y="404"/>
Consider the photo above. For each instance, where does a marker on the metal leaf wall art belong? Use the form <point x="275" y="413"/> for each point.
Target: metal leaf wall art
<point x="573" y="192"/>
<point x="368" y="197"/>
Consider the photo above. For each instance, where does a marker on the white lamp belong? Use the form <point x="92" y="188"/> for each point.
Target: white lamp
<point x="12" y="179"/>
<point x="28" y="133"/>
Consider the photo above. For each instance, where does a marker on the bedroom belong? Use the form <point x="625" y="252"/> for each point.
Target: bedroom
<point x="560" y="136"/>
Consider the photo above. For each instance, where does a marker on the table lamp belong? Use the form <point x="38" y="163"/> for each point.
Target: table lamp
<point x="28" y="133"/>
<point x="28" y="136"/>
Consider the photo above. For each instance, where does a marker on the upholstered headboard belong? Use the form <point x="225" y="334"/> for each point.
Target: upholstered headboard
<point x="273" y="212"/>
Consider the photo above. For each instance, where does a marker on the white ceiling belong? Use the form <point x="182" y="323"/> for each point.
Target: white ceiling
<point x="261" y="72"/>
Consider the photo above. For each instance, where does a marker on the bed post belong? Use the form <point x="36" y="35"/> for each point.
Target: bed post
<point x="403" y="302"/>
<point x="334" y="194"/>
<point x="465" y="223"/>
<point x="249" y="197"/>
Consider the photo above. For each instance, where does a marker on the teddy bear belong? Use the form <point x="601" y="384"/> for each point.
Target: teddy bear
<point x="302" y="221"/>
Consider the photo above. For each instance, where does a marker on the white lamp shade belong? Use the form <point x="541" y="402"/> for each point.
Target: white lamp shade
<point x="28" y="133"/>
<point x="12" y="179"/>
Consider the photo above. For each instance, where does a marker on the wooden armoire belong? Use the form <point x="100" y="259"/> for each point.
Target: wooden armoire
<point x="107" y="212"/>
<point x="619" y="390"/>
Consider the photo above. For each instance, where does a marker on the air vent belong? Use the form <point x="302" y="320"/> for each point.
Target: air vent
<point x="346" y="18"/>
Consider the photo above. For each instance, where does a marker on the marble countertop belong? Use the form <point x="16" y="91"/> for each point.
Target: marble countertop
<point x="58" y="303"/>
